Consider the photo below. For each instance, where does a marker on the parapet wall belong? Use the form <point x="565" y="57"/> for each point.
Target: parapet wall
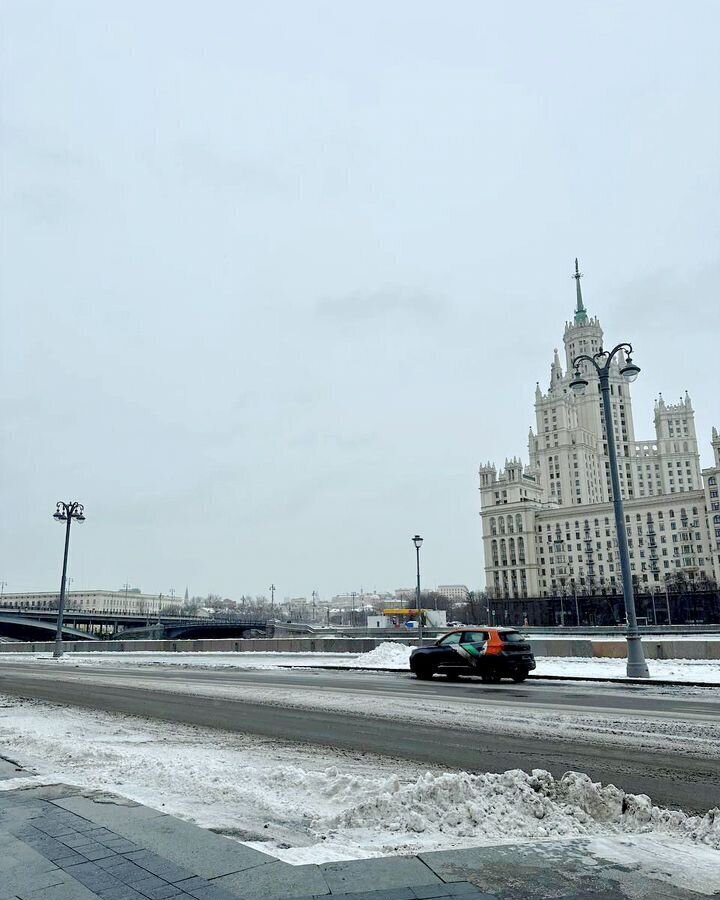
<point x="654" y="648"/>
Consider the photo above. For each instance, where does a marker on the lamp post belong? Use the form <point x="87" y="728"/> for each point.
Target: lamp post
<point x="65" y="512"/>
<point x="667" y="600"/>
<point x="417" y="540"/>
<point x="601" y="361"/>
<point x="559" y="547"/>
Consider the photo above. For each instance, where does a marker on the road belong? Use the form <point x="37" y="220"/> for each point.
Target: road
<point x="676" y="779"/>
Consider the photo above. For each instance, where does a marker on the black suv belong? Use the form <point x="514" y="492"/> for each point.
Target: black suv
<point x="492" y="653"/>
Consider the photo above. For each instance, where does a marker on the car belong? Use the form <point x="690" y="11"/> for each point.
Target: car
<point x="492" y="653"/>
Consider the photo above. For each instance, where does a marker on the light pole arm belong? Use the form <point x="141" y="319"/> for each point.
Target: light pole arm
<point x="607" y="354"/>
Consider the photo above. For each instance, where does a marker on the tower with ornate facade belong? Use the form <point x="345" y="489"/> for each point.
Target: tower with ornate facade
<point x="549" y="524"/>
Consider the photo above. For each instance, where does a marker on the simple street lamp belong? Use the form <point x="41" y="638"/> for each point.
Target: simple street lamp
<point x="417" y="540"/>
<point x="636" y="665"/>
<point x="65" y="512"/>
<point x="559" y="548"/>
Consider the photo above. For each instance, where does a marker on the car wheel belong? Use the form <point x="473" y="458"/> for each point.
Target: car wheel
<point x="424" y="673"/>
<point x="491" y="676"/>
<point x="520" y="676"/>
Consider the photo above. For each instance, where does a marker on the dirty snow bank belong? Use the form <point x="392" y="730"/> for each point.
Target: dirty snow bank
<point x="513" y="804"/>
<point x="309" y="804"/>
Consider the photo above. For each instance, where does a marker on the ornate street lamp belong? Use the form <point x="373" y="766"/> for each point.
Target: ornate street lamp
<point x="636" y="665"/>
<point x="65" y="512"/>
<point x="417" y="540"/>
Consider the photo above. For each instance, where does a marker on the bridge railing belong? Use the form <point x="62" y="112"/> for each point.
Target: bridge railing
<point x="51" y="612"/>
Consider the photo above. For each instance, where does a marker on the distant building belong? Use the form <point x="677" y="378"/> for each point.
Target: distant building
<point x="111" y="602"/>
<point x="549" y="525"/>
<point x="458" y="593"/>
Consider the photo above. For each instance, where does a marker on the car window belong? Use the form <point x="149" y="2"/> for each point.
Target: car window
<point x="453" y="638"/>
<point x="513" y="637"/>
<point x="475" y="637"/>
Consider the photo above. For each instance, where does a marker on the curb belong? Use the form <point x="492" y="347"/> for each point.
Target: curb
<point x="661" y="682"/>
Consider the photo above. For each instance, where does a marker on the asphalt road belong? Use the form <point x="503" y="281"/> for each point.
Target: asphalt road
<point x="672" y="779"/>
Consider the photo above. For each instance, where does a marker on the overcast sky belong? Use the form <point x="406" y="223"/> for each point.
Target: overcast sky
<point x="276" y="277"/>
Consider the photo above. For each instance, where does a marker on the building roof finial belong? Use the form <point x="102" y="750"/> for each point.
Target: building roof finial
<point x="580" y="311"/>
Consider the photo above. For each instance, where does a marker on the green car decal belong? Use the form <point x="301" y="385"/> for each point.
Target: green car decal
<point x="471" y="652"/>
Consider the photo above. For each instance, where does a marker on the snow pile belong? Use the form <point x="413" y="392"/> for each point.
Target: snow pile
<point x="513" y="804"/>
<point x="389" y="655"/>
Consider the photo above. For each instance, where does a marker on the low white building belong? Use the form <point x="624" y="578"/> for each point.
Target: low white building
<point x="458" y="593"/>
<point x="434" y="617"/>
<point x="106" y="602"/>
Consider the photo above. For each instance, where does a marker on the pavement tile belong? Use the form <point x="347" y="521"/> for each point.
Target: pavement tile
<point x="97" y="852"/>
<point x="112" y="862"/>
<point x="70" y="858"/>
<point x="107" y="812"/>
<point x="201" y="852"/>
<point x="454" y="889"/>
<point x="120" y="844"/>
<point x="189" y="883"/>
<point x="404" y="893"/>
<point x="27" y="880"/>
<point x="53" y="829"/>
<point x="149" y="882"/>
<point x="161" y="892"/>
<point x="91" y="876"/>
<point x="99" y="833"/>
<point x="212" y="892"/>
<point x="360" y="875"/>
<point x="125" y="871"/>
<point x="83" y="826"/>
<point x="65" y="891"/>
<point x="274" y="880"/>
<point x="75" y="840"/>
<point x="123" y="892"/>
<point x="164" y="869"/>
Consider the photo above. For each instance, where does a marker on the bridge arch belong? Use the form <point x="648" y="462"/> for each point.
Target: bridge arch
<point x="22" y="628"/>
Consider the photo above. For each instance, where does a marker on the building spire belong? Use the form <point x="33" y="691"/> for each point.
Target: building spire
<point x="580" y="311"/>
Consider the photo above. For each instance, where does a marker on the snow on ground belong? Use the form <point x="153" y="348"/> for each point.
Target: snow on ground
<point x="388" y="655"/>
<point x="706" y="671"/>
<point x="305" y="804"/>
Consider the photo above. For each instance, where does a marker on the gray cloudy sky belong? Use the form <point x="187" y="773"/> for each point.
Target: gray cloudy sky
<point x="277" y="276"/>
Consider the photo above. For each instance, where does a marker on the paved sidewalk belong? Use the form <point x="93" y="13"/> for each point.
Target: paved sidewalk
<point x="60" y="843"/>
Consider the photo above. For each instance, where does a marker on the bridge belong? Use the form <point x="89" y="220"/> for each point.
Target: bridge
<point x="40" y="624"/>
<point x="16" y="626"/>
<point x="180" y="630"/>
